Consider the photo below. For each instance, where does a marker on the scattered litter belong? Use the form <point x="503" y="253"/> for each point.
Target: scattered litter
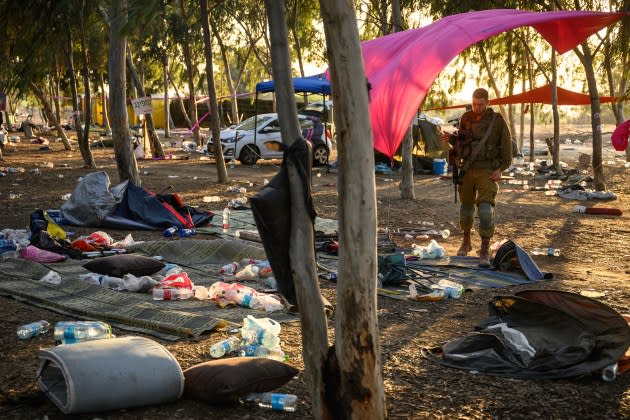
<point x="592" y="294"/>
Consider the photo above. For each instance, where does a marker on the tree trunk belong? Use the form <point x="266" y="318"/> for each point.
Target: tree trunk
<point x="521" y="137"/>
<point x="212" y="96"/>
<point x="406" y="184"/>
<point x="167" y="108"/>
<point x="532" y="114"/>
<point x="156" y="146"/>
<point x="50" y="115"/>
<point x="491" y="78"/>
<point x="358" y="389"/>
<point x="106" y="125"/>
<point x="56" y="94"/>
<point x="182" y="107"/>
<point x="396" y="16"/>
<point x="76" y="110"/>
<point x="586" y="57"/>
<point x="228" y="73"/>
<point x="301" y="239"/>
<point x="125" y="159"/>
<point x="556" y="114"/>
<point x="84" y="141"/>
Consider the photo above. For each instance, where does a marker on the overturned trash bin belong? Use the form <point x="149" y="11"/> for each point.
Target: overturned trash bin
<point x="113" y="374"/>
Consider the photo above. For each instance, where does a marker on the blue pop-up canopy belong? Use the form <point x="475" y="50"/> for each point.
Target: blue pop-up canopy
<point x="310" y="84"/>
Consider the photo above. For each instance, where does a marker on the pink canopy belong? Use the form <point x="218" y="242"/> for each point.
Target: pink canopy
<point x="402" y="66"/>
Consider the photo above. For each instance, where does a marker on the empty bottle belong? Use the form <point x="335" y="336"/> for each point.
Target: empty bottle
<point x="278" y="402"/>
<point x="452" y="289"/>
<point x="228" y="345"/>
<point x="169" y="232"/>
<point x="32" y="329"/>
<point x="551" y="252"/>
<point x="230" y="269"/>
<point x="7" y="245"/>
<point x="70" y="332"/>
<point x="185" y="233"/>
<point x="226" y="220"/>
<point x="172" y="294"/>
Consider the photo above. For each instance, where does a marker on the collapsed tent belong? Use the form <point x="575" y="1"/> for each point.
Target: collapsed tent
<point x="401" y="67"/>
<point x="127" y="206"/>
<point x="541" y="95"/>
<point x="541" y="334"/>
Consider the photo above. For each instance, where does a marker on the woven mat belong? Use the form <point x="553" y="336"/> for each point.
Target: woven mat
<point x="170" y="320"/>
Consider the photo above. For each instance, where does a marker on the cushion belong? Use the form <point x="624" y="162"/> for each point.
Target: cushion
<point x="224" y="380"/>
<point x="119" y="265"/>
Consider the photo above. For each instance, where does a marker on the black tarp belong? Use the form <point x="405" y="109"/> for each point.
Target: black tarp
<point x="541" y="334"/>
<point x="271" y="208"/>
<point x="127" y="206"/>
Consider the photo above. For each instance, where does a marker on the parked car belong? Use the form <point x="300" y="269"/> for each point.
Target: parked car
<point x="249" y="141"/>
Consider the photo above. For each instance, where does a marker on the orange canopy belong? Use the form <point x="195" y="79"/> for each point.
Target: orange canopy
<point x="541" y="95"/>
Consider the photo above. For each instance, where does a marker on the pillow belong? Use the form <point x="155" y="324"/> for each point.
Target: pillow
<point x="119" y="265"/>
<point x="224" y="380"/>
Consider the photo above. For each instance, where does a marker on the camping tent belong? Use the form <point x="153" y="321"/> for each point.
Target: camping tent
<point x="310" y="84"/>
<point x="402" y="66"/>
<point x="541" y="95"/>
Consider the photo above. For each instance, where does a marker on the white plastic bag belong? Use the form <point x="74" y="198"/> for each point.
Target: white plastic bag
<point x="51" y="277"/>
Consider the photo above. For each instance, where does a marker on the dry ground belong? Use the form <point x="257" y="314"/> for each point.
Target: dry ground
<point x="595" y="256"/>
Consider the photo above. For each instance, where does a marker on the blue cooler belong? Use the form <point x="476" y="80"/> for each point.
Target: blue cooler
<point x="439" y="166"/>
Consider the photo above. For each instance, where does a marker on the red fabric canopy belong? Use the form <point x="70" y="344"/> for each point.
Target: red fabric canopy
<point x="402" y="66"/>
<point x="541" y="95"/>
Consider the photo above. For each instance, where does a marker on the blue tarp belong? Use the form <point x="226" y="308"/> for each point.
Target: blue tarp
<point x="310" y="84"/>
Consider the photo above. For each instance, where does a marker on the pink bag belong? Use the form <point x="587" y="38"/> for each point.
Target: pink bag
<point x="33" y="253"/>
<point x="619" y="137"/>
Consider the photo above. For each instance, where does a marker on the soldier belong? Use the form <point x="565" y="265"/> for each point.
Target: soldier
<point x="483" y="149"/>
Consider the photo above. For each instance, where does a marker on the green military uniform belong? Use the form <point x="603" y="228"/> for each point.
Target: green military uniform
<point x="477" y="186"/>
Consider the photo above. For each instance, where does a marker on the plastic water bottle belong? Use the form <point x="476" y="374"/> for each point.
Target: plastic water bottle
<point x="172" y="294"/>
<point x="226" y="220"/>
<point x="185" y="233"/>
<point x="230" y="269"/>
<point x="32" y="329"/>
<point x="228" y="345"/>
<point x="267" y="353"/>
<point x="278" y="402"/>
<point x="70" y="332"/>
<point x="551" y="252"/>
<point x="452" y="289"/>
<point x="169" y="232"/>
<point x="7" y="245"/>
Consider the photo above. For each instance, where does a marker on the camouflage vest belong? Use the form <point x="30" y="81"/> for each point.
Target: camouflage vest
<point x="471" y="131"/>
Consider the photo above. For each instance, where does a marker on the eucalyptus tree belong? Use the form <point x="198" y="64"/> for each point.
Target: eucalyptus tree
<point x="185" y="28"/>
<point x="301" y="217"/>
<point x="234" y="53"/>
<point x="125" y="159"/>
<point x="30" y="54"/>
<point x="355" y="362"/>
<point x="212" y="95"/>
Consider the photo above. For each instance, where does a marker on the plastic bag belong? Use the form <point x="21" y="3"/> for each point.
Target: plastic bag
<point x="33" y="253"/>
<point x="231" y="293"/>
<point x="177" y="281"/>
<point x="51" y="277"/>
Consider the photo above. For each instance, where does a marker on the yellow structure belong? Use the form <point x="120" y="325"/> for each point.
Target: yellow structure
<point x="158" y="112"/>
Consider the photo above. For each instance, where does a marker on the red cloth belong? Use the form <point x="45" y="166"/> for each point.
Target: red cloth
<point x="620" y="136"/>
<point x="541" y="95"/>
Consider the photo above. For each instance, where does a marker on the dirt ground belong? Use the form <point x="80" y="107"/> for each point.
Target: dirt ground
<point x="594" y="256"/>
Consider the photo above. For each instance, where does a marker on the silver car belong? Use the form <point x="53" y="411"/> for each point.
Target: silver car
<point x="247" y="145"/>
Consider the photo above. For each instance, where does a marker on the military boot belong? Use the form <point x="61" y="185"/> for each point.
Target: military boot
<point x="484" y="253"/>
<point x="466" y="245"/>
